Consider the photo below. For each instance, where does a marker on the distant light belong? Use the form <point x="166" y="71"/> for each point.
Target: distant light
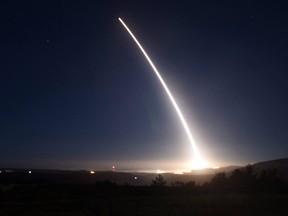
<point x="30" y="172"/>
<point x="113" y="168"/>
<point x="179" y="173"/>
<point x="92" y="172"/>
<point x="135" y="178"/>
<point x="216" y="167"/>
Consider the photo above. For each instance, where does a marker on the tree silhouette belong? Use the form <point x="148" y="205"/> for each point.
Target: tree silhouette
<point x="219" y="182"/>
<point x="236" y="180"/>
<point x="236" y="176"/>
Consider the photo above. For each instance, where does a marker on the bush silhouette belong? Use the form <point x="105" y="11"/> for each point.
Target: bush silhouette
<point x="177" y="184"/>
<point x="158" y="181"/>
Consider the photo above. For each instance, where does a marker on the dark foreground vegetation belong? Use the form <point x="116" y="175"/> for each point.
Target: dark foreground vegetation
<point x="242" y="192"/>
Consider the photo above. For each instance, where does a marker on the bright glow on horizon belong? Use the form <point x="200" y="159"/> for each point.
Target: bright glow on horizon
<point x="92" y="172"/>
<point x="178" y="173"/>
<point x="199" y="162"/>
<point x="160" y="171"/>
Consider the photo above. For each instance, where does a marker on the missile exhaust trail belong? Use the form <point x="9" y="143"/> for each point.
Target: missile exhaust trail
<point x="198" y="160"/>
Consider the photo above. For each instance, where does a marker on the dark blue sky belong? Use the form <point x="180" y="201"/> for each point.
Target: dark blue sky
<point x="77" y="93"/>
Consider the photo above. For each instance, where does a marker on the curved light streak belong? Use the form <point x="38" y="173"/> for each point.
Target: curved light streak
<point x="198" y="160"/>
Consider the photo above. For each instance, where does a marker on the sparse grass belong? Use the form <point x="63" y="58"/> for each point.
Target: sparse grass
<point x="73" y="200"/>
<point x="241" y="194"/>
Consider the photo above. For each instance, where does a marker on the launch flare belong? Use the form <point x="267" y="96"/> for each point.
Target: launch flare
<point x="198" y="160"/>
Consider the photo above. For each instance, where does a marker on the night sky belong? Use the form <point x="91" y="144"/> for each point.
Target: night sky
<point x="76" y="92"/>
